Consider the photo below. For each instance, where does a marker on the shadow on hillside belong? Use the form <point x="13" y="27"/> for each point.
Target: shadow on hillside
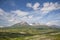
<point x="12" y="35"/>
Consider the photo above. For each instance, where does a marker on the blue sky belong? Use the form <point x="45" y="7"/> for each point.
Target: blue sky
<point x="39" y="11"/>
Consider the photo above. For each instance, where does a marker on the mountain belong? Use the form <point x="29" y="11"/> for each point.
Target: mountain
<point x="33" y="25"/>
<point x="26" y="25"/>
<point x="21" y="24"/>
<point x="54" y="26"/>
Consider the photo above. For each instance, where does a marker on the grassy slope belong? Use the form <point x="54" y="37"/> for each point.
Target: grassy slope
<point x="29" y="33"/>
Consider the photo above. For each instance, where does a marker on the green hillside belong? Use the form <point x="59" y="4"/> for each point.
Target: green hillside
<point x="27" y="32"/>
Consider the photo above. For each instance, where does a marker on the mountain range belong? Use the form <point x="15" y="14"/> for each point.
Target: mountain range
<point x="33" y="25"/>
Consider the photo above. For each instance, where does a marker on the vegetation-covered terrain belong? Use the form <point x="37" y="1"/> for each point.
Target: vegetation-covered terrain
<point x="29" y="33"/>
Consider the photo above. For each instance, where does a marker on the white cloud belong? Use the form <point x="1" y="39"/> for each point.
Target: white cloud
<point x="53" y="23"/>
<point x="15" y="21"/>
<point x="12" y="17"/>
<point x="3" y="14"/>
<point x="29" y="5"/>
<point x="5" y="17"/>
<point x="34" y="7"/>
<point x="20" y="13"/>
<point x="31" y="16"/>
<point x="47" y="7"/>
<point x="1" y="11"/>
<point x="46" y="4"/>
<point x="18" y="17"/>
<point x="15" y="16"/>
<point x="11" y="20"/>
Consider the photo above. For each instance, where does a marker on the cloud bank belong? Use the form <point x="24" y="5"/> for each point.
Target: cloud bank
<point x="39" y="14"/>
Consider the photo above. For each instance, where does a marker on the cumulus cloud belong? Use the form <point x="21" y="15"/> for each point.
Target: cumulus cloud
<point x="15" y="16"/>
<point x="31" y="16"/>
<point x="3" y="14"/>
<point x="4" y="17"/>
<point x="29" y="5"/>
<point x="47" y="7"/>
<point x="11" y="17"/>
<point x="11" y="20"/>
<point x="34" y="7"/>
<point x="20" y="13"/>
